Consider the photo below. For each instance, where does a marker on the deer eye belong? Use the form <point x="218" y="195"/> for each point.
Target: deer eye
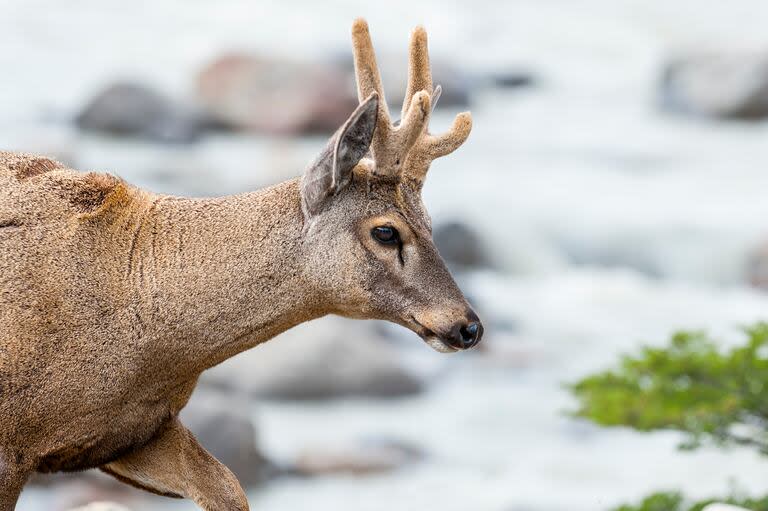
<point x="385" y="235"/>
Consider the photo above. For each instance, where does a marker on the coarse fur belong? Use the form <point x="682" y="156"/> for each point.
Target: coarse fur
<point x="113" y="299"/>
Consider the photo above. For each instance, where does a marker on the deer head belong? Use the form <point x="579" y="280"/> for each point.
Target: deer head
<point x="368" y="236"/>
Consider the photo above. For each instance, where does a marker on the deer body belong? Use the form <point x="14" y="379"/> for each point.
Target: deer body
<point x="113" y="300"/>
<point x="111" y="347"/>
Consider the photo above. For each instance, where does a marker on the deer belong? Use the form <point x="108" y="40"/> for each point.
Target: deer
<point x="114" y="299"/>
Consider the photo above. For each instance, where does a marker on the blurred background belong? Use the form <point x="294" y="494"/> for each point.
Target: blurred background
<point x="612" y="192"/>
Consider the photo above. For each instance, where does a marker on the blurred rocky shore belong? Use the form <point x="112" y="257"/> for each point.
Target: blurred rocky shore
<point x="241" y="92"/>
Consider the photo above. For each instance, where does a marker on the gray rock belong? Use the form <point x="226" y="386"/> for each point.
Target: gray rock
<point x="323" y="359"/>
<point x="513" y="79"/>
<point x="359" y="458"/>
<point x="131" y="109"/>
<point x="717" y="85"/>
<point x="460" y="246"/>
<point x="222" y="424"/>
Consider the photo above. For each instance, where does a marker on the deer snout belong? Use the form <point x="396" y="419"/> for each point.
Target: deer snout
<point x="462" y="334"/>
<point x="466" y="333"/>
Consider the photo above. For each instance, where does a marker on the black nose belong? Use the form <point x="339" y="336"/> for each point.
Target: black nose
<point x="465" y="334"/>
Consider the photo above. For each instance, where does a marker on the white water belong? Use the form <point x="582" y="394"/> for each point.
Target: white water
<point x="581" y="169"/>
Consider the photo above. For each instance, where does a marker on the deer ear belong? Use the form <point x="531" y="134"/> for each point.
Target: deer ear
<point x="332" y="170"/>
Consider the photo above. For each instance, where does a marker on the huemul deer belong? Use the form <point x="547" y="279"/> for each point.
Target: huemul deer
<point x="113" y="300"/>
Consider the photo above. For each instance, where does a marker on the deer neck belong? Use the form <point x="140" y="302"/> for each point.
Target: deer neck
<point x="223" y="275"/>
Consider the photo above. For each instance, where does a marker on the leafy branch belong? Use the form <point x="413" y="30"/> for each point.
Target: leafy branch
<point x="711" y="395"/>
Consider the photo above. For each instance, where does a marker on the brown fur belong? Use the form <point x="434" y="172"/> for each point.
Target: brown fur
<point x="113" y="300"/>
<point x="24" y="167"/>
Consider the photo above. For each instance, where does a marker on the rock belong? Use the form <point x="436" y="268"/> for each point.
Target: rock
<point x="512" y="79"/>
<point x="723" y="507"/>
<point x="456" y="84"/>
<point x="757" y="267"/>
<point x="222" y="424"/>
<point x="360" y="458"/>
<point x="101" y="506"/>
<point x="131" y="109"/>
<point x="323" y="359"/>
<point x="460" y="246"/>
<point x="248" y="92"/>
<point x="718" y="85"/>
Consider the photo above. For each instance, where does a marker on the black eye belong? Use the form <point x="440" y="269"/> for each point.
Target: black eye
<point x="385" y="235"/>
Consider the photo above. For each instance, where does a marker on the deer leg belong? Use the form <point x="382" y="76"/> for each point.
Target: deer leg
<point x="174" y="464"/>
<point x="12" y="479"/>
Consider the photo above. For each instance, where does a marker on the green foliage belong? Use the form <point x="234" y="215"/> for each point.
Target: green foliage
<point x="691" y="386"/>
<point x="674" y="501"/>
<point x="662" y="501"/>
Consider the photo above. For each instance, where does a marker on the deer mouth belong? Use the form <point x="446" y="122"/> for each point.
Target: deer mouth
<point x="431" y="338"/>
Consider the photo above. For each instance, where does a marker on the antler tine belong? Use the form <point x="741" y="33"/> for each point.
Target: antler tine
<point x="408" y="148"/>
<point x="415" y="119"/>
<point x="431" y="147"/>
<point x="419" y="73"/>
<point x="367" y="74"/>
<point x="446" y="143"/>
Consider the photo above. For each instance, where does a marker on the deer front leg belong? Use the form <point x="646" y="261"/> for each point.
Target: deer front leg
<point x="174" y="464"/>
<point x="12" y="479"/>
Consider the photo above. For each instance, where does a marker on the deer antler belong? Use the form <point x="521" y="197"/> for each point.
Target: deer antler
<point x="405" y="150"/>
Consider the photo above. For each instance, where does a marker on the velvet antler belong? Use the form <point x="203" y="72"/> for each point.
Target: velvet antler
<point x="406" y="149"/>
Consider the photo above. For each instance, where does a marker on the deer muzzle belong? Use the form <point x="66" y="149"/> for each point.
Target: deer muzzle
<point x="460" y="335"/>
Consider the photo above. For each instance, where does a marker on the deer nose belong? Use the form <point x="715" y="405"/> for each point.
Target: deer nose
<point x="466" y="334"/>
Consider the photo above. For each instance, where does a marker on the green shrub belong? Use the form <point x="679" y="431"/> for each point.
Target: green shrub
<point x="690" y="386"/>
<point x="674" y="501"/>
<point x="709" y="394"/>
